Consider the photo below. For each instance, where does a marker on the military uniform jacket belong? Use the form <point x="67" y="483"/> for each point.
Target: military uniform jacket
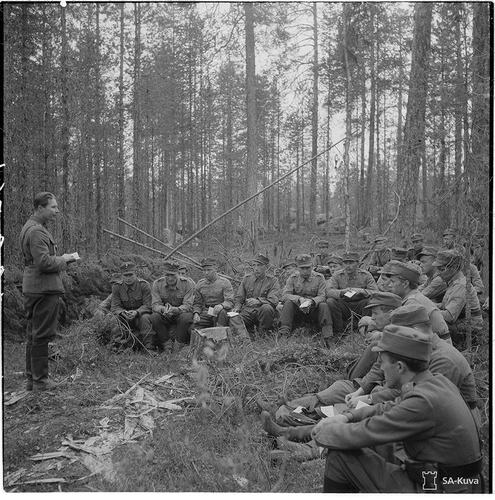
<point x="476" y="280"/>
<point x="42" y="266"/>
<point x="180" y="295"/>
<point x="430" y="418"/>
<point x="455" y="298"/>
<point x="136" y="297"/>
<point x="438" y="324"/>
<point x="311" y="288"/>
<point x="412" y="254"/>
<point x="265" y="289"/>
<point x="433" y="287"/>
<point x="445" y="359"/>
<point x="380" y="257"/>
<point x="320" y="259"/>
<point x="211" y="293"/>
<point x="340" y="280"/>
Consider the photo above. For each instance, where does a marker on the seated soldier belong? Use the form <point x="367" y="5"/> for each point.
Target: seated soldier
<point x="288" y="269"/>
<point x="427" y="416"/>
<point x="303" y="300"/>
<point x="213" y="298"/>
<point x="183" y="269"/>
<point x="380" y="256"/>
<point x="257" y="296"/>
<point x="131" y="303"/>
<point x="335" y="263"/>
<point x="399" y="254"/>
<point x="348" y="291"/>
<point x="478" y="251"/>
<point x="172" y="304"/>
<point x="106" y="304"/>
<point x="434" y="287"/>
<point x="380" y="304"/>
<point x="456" y="298"/>
<point x="413" y="252"/>
<point x="449" y="238"/>
<point x="320" y="259"/>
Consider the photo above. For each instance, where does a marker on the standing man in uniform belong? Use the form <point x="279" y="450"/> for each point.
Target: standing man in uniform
<point x="258" y="296"/>
<point x="303" y="299"/>
<point x="42" y="286"/>
<point x="214" y="294"/>
<point x="131" y="303"/>
<point x="430" y="418"/>
<point x="172" y="298"/>
<point x="348" y="290"/>
<point x="416" y="249"/>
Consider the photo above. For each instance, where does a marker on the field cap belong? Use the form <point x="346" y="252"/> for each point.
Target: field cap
<point x="171" y="267"/>
<point x="417" y="237"/>
<point x="304" y="260"/>
<point x="115" y="278"/>
<point x="447" y="258"/>
<point x="128" y="267"/>
<point x="409" y="315"/>
<point x="449" y="231"/>
<point x="208" y="261"/>
<point x="322" y="244"/>
<point x="405" y="341"/>
<point x="290" y="262"/>
<point x="406" y="270"/>
<point x="335" y="259"/>
<point x="182" y="266"/>
<point x="380" y="239"/>
<point x="261" y="259"/>
<point x="350" y="257"/>
<point x="384" y="299"/>
<point x="399" y="253"/>
<point x="432" y="252"/>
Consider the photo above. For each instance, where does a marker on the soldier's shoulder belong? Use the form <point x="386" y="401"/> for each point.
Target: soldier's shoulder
<point x="160" y="279"/>
<point x="224" y="280"/>
<point x="408" y="387"/>
<point x="143" y="282"/>
<point x="318" y="275"/>
<point x="364" y="271"/>
<point x="339" y="272"/>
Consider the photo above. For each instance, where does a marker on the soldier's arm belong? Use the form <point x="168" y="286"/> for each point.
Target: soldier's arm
<point x="117" y="306"/>
<point x="321" y="297"/>
<point x="436" y="287"/>
<point x="332" y="288"/>
<point x="240" y="296"/>
<point x="476" y="280"/>
<point x="188" y="301"/>
<point x="145" y="308"/>
<point x="39" y="245"/>
<point x="273" y="295"/>
<point x="156" y="300"/>
<point x="228" y="296"/>
<point x="288" y="291"/>
<point x="198" y="302"/>
<point x="453" y="305"/>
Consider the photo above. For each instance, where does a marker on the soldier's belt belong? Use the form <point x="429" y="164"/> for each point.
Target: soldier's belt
<point x="460" y="471"/>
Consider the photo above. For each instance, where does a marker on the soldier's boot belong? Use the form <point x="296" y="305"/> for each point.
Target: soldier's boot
<point x="328" y="336"/>
<point x="168" y="347"/>
<point x="300" y="451"/>
<point x="284" y="330"/>
<point x="29" y="373"/>
<point x="39" y="368"/>
<point x="149" y="344"/>
<point x="270" y="427"/>
<point x="265" y="406"/>
<point x="239" y="327"/>
<point x="179" y="348"/>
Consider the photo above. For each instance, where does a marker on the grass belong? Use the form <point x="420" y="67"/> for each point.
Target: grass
<point x="214" y="444"/>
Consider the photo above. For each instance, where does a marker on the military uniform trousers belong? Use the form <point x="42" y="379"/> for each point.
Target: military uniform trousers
<point x="260" y="315"/>
<point x="141" y="325"/>
<point x="341" y="311"/>
<point x="320" y="314"/>
<point x="161" y="325"/>
<point x="207" y="321"/>
<point x="366" y="471"/>
<point x="42" y="315"/>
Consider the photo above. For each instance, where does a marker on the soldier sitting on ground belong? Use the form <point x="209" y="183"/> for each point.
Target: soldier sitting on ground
<point x="380" y="256"/>
<point x="399" y="254"/>
<point x="303" y="300"/>
<point x="348" y="291"/>
<point x="456" y="298"/>
<point x="416" y="249"/>
<point x="257" y="296"/>
<point x="172" y="304"/>
<point x="433" y="287"/>
<point x="183" y="269"/>
<point x="320" y="259"/>
<point x="131" y="303"/>
<point x="335" y="263"/>
<point x="214" y="297"/>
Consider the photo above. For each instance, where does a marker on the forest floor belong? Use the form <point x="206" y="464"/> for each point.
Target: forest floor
<point x="129" y="422"/>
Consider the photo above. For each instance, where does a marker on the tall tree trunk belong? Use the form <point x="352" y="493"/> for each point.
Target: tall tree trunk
<point x="314" y="123"/>
<point x="121" y="131"/>
<point x="414" y="130"/>
<point x="136" y="120"/>
<point x="252" y="143"/>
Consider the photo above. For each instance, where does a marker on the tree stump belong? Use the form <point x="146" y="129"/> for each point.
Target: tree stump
<point x="210" y="342"/>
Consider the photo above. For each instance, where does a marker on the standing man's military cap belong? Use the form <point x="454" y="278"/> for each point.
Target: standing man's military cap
<point x="409" y="315"/>
<point x="335" y="259"/>
<point x="171" y="266"/>
<point x="322" y="244"/>
<point x="115" y="278"/>
<point x="384" y="299"/>
<point x="350" y="257"/>
<point x="406" y="270"/>
<point x="304" y="260"/>
<point x="417" y="237"/>
<point x="430" y="251"/>
<point x="128" y="267"/>
<point x="405" y="341"/>
<point x="261" y="259"/>
<point x="208" y="261"/>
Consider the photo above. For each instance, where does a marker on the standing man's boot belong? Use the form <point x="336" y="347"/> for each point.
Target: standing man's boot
<point x="39" y="367"/>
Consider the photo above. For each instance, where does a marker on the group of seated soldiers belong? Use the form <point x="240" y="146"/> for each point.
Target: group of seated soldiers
<point x="325" y="289"/>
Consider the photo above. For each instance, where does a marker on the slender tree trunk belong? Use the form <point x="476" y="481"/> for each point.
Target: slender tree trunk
<point x="314" y="123"/>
